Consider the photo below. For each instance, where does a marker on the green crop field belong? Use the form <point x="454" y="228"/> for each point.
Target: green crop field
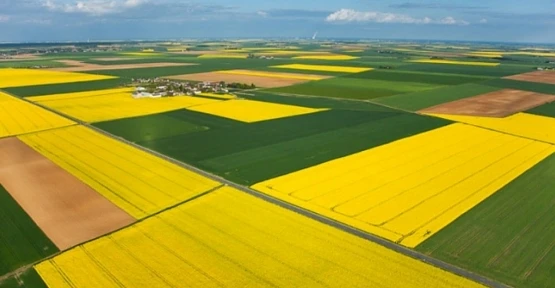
<point x="510" y="236"/>
<point x="424" y="99"/>
<point x="428" y="78"/>
<point x="544" y="110"/>
<point x="498" y="71"/>
<point x="522" y="85"/>
<point x="22" y="241"/>
<point x="354" y="88"/>
<point x="151" y="128"/>
<point x="27" y="279"/>
<point x="49" y="89"/>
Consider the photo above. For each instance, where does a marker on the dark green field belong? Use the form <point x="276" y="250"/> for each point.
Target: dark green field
<point x="28" y="279"/>
<point x="428" y="78"/>
<point x="510" y="236"/>
<point x="498" y="71"/>
<point x="21" y="240"/>
<point x="249" y="153"/>
<point x="424" y="99"/>
<point x="522" y="85"/>
<point x="544" y="110"/>
<point x="49" y="89"/>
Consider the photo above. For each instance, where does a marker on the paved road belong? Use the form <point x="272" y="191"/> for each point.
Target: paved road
<point x="380" y="241"/>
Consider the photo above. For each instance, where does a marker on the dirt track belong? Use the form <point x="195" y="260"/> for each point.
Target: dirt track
<point x="68" y="211"/>
<point x="259" y="81"/>
<point x="496" y="104"/>
<point x="536" y="76"/>
<point x="108" y="59"/>
<point x="78" y="66"/>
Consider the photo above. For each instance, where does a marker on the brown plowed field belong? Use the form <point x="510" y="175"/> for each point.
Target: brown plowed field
<point x="259" y="81"/>
<point x="68" y="211"/>
<point x="536" y="76"/>
<point x="500" y="103"/>
<point x="78" y="66"/>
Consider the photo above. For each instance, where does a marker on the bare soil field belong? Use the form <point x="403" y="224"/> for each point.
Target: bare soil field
<point x="495" y="104"/>
<point x="20" y="57"/>
<point x="536" y="76"/>
<point x="259" y="81"/>
<point x="68" y="211"/>
<point x="78" y="66"/>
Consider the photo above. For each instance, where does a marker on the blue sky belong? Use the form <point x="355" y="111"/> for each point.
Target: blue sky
<point x="78" y="20"/>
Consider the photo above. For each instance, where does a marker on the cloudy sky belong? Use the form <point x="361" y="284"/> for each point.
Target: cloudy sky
<point x="79" y="20"/>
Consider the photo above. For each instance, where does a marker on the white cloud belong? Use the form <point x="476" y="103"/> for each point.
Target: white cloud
<point x="484" y="21"/>
<point x="4" y="18"/>
<point x="93" y="7"/>
<point x="350" y="15"/>
<point x="262" y="13"/>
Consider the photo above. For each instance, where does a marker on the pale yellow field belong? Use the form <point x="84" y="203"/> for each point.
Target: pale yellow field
<point x="326" y="68"/>
<point x="141" y="54"/>
<point x="30" y="77"/>
<point x="252" y="111"/>
<point x="273" y="74"/>
<point x="326" y="57"/>
<point x="229" y="55"/>
<point x="136" y="181"/>
<point x="501" y="53"/>
<point x="521" y="124"/>
<point x="353" y="51"/>
<point x="453" y="62"/>
<point x="19" y="117"/>
<point x="103" y="105"/>
<point x="230" y="239"/>
<point x="408" y="190"/>
<point x="485" y="54"/>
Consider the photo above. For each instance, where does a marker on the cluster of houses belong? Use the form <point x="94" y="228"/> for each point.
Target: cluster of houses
<point x="158" y="87"/>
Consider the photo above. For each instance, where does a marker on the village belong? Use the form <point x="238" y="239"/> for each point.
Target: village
<point x="161" y="87"/>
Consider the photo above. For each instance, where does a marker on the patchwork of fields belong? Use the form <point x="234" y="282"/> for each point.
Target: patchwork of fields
<point x="408" y="190"/>
<point x="383" y="159"/>
<point x="203" y="242"/>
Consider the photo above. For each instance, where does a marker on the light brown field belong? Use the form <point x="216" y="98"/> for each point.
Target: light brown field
<point x="20" y="57"/>
<point x="108" y="59"/>
<point x="197" y="52"/>
<point x="68" y="211"/>
<point x="259" y="81"/>
<point x="500" y="103"/>
<point x="547" y="77"/>
<point x="78" y="66"/>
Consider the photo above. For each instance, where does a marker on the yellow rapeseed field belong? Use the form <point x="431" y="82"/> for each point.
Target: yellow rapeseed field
<point x="273" y="74"/>
<point x="138" y="182"/>
<point x="453" y="62"/>
<point x="19" y="117"/>
<point x="326" y="57"/>
<point x="227" y="55"/>
<point x="30" y="77"/>
<point x="230" y="239"/>
<point x="520" y="124"/>
<point x="326" y="68"/>
<point x="252" y="111"/>
<point x="408" y="190"/>
<point x="103" y="105"/>
<point x="485" y="54"/>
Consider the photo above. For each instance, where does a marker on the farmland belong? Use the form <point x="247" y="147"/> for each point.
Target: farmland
<point x="135" y="181"/>
<point x="22" y="241"/>
<point x="20" y="117"/>
<point x="112" y="104"/>
<point x="404" y="201"/>
<point x="508" y="236"/>
<point x="202" y="242"/>
<point x="354" y="164"/>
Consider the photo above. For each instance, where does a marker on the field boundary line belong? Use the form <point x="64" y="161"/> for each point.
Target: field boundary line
<point x="301" y="211"/>
<point x="23" y="269"/>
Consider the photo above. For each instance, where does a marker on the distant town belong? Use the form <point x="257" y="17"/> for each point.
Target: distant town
<point x="161" y="87"/>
